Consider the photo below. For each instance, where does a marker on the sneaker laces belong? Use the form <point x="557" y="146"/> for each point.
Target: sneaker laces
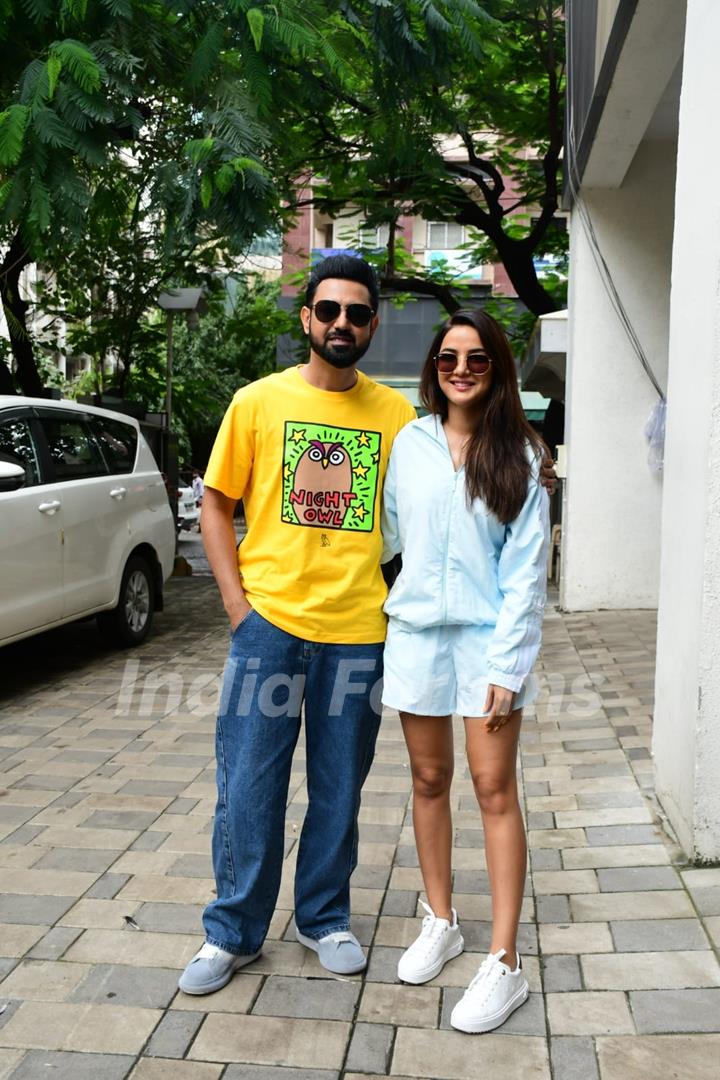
<point x="488" y="974"/>
<point x="432" y="929"/>
<point x="340" y="937"/>
<point x="209" y="952"/>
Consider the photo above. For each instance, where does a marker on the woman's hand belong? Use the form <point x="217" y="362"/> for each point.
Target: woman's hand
<point x="498" y="707"/>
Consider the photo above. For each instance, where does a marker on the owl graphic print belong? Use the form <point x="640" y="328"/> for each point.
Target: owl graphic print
<point x="330" y="476"/>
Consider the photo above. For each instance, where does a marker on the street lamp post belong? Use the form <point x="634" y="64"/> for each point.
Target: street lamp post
<point x="169" y="370"/>
<point x="192" y="303"/>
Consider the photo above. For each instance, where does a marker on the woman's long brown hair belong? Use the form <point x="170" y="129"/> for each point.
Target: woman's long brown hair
<point x="497" y="469"/>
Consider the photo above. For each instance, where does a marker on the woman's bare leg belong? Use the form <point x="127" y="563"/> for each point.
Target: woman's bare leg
<point x="430" y="745"/>
<point x="492" y="757"/>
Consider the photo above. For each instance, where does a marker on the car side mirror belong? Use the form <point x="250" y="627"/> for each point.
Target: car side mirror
<point x="12" y="476"/>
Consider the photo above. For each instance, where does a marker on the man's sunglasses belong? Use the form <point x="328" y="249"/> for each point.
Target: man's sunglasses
<point x="327" y="311"/>
<point x="478" y="362"/>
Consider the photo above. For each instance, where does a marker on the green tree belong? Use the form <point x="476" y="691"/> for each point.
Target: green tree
<point x="232" y="344"/>
<point x="454" y="112"/>
<point x="177" y="96"/>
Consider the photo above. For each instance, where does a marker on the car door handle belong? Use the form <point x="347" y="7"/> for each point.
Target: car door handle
<point x="118" y="493"/>
<point x="49" y="507"/>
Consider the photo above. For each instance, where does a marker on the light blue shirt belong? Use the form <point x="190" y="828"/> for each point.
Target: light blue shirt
<point x="461" y="565"/>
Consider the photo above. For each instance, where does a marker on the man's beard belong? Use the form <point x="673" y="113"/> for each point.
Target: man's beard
<point x="344" y="356"/>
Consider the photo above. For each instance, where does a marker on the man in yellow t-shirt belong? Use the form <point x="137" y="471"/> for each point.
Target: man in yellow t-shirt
<point x="306" y="450"/>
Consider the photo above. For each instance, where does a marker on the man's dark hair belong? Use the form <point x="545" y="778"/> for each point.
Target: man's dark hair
<point x="348" y="268"/>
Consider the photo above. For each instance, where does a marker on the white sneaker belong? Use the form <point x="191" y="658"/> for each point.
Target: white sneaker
<point x="439" y="942"/>
<point x="491" y="997"/>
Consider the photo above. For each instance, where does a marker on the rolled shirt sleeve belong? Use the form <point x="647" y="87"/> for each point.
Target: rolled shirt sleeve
<point x="522" y="580"/>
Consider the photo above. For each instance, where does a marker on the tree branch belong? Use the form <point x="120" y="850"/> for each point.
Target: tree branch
<point x="425" y="287"/>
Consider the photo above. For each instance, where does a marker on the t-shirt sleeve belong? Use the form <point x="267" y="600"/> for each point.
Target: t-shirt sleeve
<point x="233" y="452"/>
<point x="408" y="415"/>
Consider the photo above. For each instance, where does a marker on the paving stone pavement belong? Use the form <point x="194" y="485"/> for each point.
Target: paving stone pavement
<point x="106" y="801"/>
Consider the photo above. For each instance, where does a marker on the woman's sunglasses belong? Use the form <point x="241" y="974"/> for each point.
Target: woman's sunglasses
<point x="478" y="362"/>
<point x="327" y="311"/>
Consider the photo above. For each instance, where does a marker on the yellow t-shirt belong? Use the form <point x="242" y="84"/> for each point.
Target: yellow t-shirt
<point x="309" y="466"/>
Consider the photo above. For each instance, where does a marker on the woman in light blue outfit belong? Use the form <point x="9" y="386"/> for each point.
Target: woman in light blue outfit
<point x="464" y="506"/>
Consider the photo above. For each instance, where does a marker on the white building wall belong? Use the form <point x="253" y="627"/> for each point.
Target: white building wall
<point x="612" y="503"/>
<point x="606" y="12"/>
<point x="686" y="735"/>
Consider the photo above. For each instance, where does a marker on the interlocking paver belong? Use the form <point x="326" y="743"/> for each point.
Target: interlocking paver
<point x="39" y="980"/>
<point x="584" y="937"/>
<point x="588" y="1013"/>
<point x="69" y="1066"/>
<point x="707" y="900"/>
<point x="266" y="1040"/>
<point x="658" y="935"/>
<point x="650" y="970"/>
<point x="633" y="879"/>
<point x="573" y="1058"/>
<point x="67" y="1026"/>
<point x="370" y="1047"/>
<point x="660" y="1011"/>
<point x="404" y="1006"/>
<point x="171" y="1069"/>
<point x="446" y="1055"/>
<point x="321" y="999"/>
<point x="639" y="1058"/>
<point x="149" y="988"/>
<point x="552" y="909"/>
<point x="631" y="905"/>
<point x="105" y="818"/>
<point x="173" y="1034"/>
<point x="269" y="1072"/>
<point x="56" y="942"/>
<point x="561" y="973"/>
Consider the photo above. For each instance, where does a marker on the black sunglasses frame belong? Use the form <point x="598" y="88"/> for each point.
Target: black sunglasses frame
<point x="348" y="308"/>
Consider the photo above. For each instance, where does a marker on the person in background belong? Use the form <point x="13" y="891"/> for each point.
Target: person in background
<point x="465" y="507"/>
<point x="198" y="487"/>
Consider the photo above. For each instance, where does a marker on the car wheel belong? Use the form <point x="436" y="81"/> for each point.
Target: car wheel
<point x="129" y="623"/>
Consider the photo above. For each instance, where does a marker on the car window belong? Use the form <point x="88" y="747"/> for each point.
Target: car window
<point x="73" y="451"/>
<point x="17" y="447"/>
<point x="118" y="443"/>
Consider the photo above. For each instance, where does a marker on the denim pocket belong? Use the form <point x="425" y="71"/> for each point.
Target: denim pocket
<point x="242" y="622"/>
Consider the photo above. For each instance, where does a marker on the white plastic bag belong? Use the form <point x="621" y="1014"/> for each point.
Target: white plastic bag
<point x="655" y="435"/>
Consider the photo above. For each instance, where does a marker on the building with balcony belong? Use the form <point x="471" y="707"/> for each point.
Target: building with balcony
<point x="404" y="333"/>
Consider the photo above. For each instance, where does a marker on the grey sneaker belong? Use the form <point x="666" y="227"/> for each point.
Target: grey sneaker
<point x="339" y="952"/>
<point x="210" y="969"/>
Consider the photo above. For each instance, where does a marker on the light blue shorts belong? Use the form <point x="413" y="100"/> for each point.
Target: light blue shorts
<point x="441" y="670"/>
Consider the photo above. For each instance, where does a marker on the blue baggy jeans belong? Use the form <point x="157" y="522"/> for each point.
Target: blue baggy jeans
<point x="270" y="675"/>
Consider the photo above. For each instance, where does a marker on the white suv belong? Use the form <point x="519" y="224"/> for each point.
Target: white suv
<point x="85" y="523"/>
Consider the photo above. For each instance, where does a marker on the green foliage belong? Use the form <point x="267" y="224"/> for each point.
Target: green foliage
<point x="13" y="122"/>
<point x="144" y="142"/>
<point x="172" y="103"/>
<point x="517" y="322"/>
<point x="233" y="344"/>
<point x="484" y="82"/>
<point x="256" y="22"/>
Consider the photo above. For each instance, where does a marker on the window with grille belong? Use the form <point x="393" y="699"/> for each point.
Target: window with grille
<point x="374" y="236"/>
<point x="444" y="235"/>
